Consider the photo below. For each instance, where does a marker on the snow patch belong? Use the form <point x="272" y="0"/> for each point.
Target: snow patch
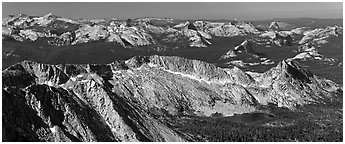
<point x="152" y="65"/>
<point x="116" y="72"/>
<point x="253" y="64"/>
<point x="130" y="72"/>
<point x="68" y="20"/>
<point x="188" y="76"/>
<point x="49" y="83"/>
<point x="53" y="129"/>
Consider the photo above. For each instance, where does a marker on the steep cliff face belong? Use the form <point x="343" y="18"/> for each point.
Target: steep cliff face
<point x="84" y="111"/>
<point x="32" y="72"/>
<point x="44" y="113"/>
<point x="126" y="100"/>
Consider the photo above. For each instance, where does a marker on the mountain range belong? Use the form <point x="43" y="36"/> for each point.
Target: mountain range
<point x="121" y="101"/>
<point x="137" y="80"/>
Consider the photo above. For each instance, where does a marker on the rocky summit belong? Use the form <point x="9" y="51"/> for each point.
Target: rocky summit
<point x="245" y="46"/>
<point x="244" y="54"/>
<point x="129" y="100"/>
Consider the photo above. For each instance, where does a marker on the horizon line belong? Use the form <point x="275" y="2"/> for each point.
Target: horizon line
<point x="264" y="19"/>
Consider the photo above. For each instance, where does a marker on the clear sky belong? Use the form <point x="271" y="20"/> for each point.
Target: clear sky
<point x="179" y="10"/>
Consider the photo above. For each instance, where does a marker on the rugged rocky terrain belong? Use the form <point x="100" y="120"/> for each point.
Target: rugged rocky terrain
<point x="59" y="31"/>
<point x="128" y="100"/>
<point x="160" y="79"/>
<point x="244" y="55"/>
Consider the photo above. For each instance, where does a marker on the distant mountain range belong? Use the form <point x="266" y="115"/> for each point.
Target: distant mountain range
<point x="149" y="35"/>
<point x="54" y="30"/>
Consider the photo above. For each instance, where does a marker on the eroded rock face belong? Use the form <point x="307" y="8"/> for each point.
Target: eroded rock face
<point x="318" y="36"/>
<point x="89" y="33"/>
<point x="289" y="85"/>
<point x="245" y="46"/>
<point x="245" y="52"/>
<point x="229" y="29"/>
<point x="281" y="38"/>
<point x="308" y="51"/>
<point x="124" y="100"/>
<point x="195" y="35"/>
<point x="274" y="26"/>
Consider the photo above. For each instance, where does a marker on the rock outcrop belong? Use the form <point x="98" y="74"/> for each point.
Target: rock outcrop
<point x="281" y="38"/>
<point x="197" y="37"/>
<point x="245" y="46"/>
<point x="274" y="26"/>
<point x="318" y="36"/>
<point x="288" y="84"/>
<point x="245" y="55"/>
<point x="308" y="51"/>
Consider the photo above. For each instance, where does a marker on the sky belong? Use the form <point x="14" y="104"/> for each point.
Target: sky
<point x="178" y="10"/>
